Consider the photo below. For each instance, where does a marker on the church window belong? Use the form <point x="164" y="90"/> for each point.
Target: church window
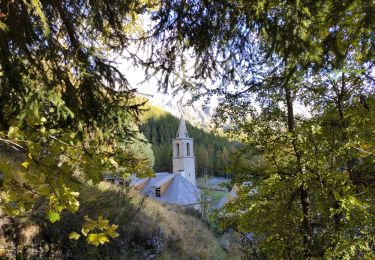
<point x="178" y="150"/>
<point x="157" y="192"/>
<point x="188" y="149"/>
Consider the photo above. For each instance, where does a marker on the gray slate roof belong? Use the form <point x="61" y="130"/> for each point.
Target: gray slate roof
<point x="180" y="190"/>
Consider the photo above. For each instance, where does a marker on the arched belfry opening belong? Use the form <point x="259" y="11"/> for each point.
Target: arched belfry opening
<point x="183" y="154"/>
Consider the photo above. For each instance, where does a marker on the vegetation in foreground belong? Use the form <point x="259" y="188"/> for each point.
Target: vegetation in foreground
<point x="307" y="188"/>
<point x="146" y="230"/>
<point x="68" y="110"/>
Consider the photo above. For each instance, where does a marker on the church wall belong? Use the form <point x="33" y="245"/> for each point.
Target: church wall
<point x="183" y="154"/>
<point x="189" y="163"/>
<point x="186" y="164"/>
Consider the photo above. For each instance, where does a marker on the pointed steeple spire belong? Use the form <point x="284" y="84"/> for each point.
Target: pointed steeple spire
<point x="182" y="131"/>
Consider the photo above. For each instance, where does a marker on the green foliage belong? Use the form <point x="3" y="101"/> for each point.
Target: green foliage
<point x="67" y="115"/>
<point x="230" y="41"/>
<point x="96" y="231"/>
<point x="204" y="201"/>
<point x="53" y="216"/>
<point x="333" y="158"/>
<point x="138" y="219"/>
<point x="305" y="192"/>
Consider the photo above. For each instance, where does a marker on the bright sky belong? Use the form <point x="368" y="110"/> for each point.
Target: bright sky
<point x="136" y="78"/>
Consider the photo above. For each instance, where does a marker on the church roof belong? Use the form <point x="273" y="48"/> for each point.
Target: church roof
<point x="135" y="181"/>
<point x="180" y="190"/>
<point x="154" y="182"/>
<point x="182" y="131"/>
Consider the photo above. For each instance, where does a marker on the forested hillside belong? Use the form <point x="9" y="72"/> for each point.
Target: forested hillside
<point x="211" y="150"/>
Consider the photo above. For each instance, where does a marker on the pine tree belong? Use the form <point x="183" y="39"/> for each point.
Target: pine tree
<point x="67" y="114"/>
<point x="262" y="58"/>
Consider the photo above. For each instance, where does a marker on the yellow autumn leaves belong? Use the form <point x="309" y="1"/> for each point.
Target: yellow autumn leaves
<point x="97" y="231"/>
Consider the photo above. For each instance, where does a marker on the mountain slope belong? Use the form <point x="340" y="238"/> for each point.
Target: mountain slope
<point x="199" y="113"/>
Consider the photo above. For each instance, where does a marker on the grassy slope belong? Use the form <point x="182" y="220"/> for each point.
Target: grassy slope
<point x="217" y="195"/>
<point x="154" y="230"/>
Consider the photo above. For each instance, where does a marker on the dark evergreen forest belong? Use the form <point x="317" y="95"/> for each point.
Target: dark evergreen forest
<point x="211" y="150"/>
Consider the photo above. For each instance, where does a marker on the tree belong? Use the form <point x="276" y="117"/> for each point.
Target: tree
<point x="66" y="108"/>
<point x="340" y="207"/>
<point x="67" y="114"/>
<point x="270" y="52"/>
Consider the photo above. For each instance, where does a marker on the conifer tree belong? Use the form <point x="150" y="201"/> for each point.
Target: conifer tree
<point x="67" y="114"/>
<point x="262" y="58"/>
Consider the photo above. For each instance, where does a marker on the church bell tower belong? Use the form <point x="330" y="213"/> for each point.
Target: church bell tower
<point x="183" y="153"/>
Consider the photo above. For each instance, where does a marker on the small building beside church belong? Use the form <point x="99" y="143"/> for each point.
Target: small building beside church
<point x="178" y="187"/>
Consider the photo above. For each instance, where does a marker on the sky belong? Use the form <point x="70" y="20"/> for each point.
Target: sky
<point x="175" y="104"/>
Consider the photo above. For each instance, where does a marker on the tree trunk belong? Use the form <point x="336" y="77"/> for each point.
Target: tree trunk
<point x="304" y="197"/>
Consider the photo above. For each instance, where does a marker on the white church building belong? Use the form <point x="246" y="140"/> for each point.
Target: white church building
<point x="179" y="187"/>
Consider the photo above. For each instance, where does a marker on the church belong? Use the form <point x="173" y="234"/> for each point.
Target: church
<point x="179" y="187"/>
